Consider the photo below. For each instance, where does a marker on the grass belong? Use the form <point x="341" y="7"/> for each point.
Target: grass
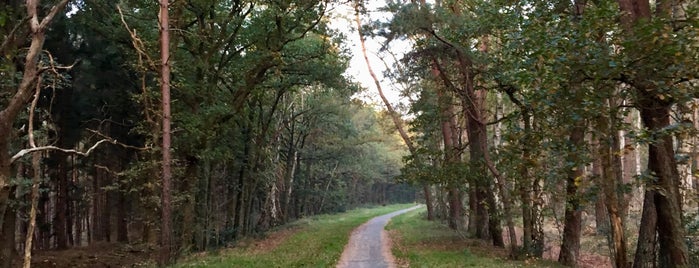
<point x="421" y="243"/>
<point x="318" y="242"/>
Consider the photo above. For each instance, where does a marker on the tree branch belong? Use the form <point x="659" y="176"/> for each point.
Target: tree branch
<point x="54" y="10"/>
<point x="23" y="152"/>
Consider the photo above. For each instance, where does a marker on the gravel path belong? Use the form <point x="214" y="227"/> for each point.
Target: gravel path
<point x="369" y="245"/>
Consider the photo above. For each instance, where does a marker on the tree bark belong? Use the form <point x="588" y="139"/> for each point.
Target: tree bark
<point x="646" y="246"/>
<point x="612" y="202"/>
<point x="570" y="246"/>
<point x="61" y="216"/>
<point x="36" y="180"/>
<point x="662" y="163"/>
<point x="166" y="227"/>
<point x="428" y="201"/>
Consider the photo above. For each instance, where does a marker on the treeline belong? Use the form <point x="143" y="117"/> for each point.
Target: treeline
<point x="526" y="114"/>
<point x="264" y="126"/>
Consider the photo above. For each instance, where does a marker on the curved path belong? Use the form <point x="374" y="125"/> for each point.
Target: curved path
<point x="368" y="246"/>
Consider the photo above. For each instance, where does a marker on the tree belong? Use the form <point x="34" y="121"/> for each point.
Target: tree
<point x="654" y="95"/>
<point x="395" y="117"/>
<point x="30" y="74"/>
<point x="166" y="229"/>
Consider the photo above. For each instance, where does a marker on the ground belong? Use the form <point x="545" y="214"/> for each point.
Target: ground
<point x="99" y="255"/>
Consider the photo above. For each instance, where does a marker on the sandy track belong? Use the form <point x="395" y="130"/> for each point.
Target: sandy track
<point x="369" y="246"/>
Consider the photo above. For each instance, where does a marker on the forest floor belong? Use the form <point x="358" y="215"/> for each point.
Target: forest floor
<point x="98" y="255"/>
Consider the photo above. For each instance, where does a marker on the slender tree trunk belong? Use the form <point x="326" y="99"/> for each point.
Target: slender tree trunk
<point x="189" y="187"/>
<point x="61" y="223"/>
<point x="397" y="121"/>
<point x="607" y="167"/>
<point x="166" y="227"/>
<point x="646" y="245"/>
<point x="36" y="181"/>
<point x="616" y="221"/>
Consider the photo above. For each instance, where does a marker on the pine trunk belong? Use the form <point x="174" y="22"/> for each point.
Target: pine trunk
<point x="166" y="245"/>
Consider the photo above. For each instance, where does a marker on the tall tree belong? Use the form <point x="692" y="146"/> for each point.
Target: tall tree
<point x="654" y="103"/>
<point x="395" y="116"/>
<point x="166" y="227"/>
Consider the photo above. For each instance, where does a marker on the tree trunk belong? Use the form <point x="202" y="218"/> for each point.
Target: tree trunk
<point x="122" y="222"/>
<point x="477" y="136"/>
<point x="166" y="227"/>
<point x="611" y="200"/>
<point x="61" y="216"/>
<point x="523" y="185"/>
<point x="655" y="115"/>
<point x="36" y="181"/>
<point x="570" y="246"/>
<point x="455" y="208"/>
<point x="607" y="168"/>
<point x="661" y="163"/>
<point x="428" y="201"/>
<point x="645" y="248"/>
<point x="7" y="238"/>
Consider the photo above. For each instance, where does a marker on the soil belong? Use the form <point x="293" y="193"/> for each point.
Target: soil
<point x="113" y="255"/>
<point x="98" y="255"/>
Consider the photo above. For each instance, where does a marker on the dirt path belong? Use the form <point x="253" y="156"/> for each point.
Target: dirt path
<point x="369" y="245"/>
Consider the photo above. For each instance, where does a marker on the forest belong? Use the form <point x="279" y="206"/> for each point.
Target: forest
<point x="190" y="124"/>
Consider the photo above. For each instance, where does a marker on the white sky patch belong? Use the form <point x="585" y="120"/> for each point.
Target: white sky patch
<point x="343" y="20"/>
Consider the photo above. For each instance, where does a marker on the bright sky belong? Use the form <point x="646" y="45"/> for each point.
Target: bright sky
<point x="344" y="21"/>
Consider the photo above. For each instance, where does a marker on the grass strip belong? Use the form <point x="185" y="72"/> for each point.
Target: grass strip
<point x="421" y="243"/>
<point x="319" y="242"/>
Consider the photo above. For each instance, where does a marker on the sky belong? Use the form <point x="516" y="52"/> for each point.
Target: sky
<point x="343" y="20"/>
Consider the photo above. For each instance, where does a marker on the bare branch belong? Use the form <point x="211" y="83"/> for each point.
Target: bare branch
<point x="108" y="170"/>
<point x="23" y="152"/>
<point x="115" y="142"/>
<point x="31" y="114"/>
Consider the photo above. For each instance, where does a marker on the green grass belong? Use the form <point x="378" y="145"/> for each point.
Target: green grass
<point x="319" y="242"/>
<point x="421" y="243"/>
